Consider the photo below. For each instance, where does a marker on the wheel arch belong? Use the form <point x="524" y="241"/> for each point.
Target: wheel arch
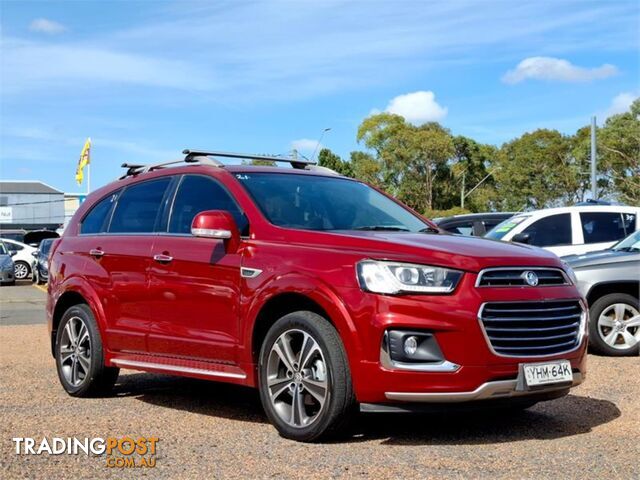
<point x="629" y="287"/>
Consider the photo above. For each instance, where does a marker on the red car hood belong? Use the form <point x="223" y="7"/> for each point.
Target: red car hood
<point x="465" y="253"/>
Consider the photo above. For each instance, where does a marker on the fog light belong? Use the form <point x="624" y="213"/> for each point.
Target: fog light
<point x="410" y="345"/>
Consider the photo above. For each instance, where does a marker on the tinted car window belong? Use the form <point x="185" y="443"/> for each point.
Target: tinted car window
<point x="95" y="221"/>
<point x="551" y="230"/>
<point x="138" y="207"/>
<point x="629" y="221"/>
<point x="326" y="203"/>
<point x="461" y="229"/>
<point x="599" y="227"/>
<point x="196" y="194"/>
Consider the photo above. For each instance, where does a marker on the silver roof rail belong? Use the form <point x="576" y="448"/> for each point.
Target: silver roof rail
<point x="299" y="163"/>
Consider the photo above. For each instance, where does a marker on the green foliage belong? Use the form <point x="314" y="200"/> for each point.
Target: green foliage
<point x="619" y="154"/>
<point x="427" y="168"/>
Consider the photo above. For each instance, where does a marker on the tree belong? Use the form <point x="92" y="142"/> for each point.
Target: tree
<point x="534" y="171"/>
<point x="472" y="166"/>
<point x="367" y="168"/>
<point x="619" y="154"/>
<point x="410" y="157"/>
<point x="328" y="159"/>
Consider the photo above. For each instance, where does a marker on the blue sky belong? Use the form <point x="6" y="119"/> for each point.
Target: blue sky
<point x="145" y="79"/>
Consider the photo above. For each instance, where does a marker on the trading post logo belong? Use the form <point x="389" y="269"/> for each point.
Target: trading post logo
<point x="125" y="452"/>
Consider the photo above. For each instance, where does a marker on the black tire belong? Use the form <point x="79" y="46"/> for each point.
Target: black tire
<point x="340" y="404"/>
<point x="596" y="341"/>
<point x="99" y="379"/>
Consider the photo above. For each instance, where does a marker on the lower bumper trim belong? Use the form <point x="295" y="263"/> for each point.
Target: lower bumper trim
<point x="486" y="391"/>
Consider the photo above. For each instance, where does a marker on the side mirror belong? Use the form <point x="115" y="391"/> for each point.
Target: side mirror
<point x="521" y="238"/>
<point x="217" y="224"/>
<point x="35" y="253"/>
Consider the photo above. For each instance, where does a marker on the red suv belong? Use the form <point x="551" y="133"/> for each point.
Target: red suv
<point x="319" y="290"/>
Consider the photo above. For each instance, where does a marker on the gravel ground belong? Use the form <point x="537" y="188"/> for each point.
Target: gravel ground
<point x="212" y="430"/>
<point x="215" y="430"/>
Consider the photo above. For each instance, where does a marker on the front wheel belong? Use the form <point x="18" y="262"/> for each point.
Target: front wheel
<point x="615" y="325"/>
<point x="79" y="355"/>
<point x="305" y="382"/>
<point x="21" y="270"/>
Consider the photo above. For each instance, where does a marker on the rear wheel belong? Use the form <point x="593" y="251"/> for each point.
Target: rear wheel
<point x="305" y="382"/>
<point x="614" y="327"/>
<point x="21" y="270"/>
<point x="79" y="355"/>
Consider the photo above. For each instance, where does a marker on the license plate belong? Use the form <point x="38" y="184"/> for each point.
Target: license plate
<point x="536" y="374"/>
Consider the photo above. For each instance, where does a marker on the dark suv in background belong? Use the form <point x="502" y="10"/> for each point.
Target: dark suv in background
<point x="321" y="291"/>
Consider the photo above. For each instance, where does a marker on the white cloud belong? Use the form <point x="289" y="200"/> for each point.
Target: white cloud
<point x="620" y="103"/>
<point x="417" y="107"/>
<point x="306" y="145"/>
<point x="556" y="69"/>
<point x="43" y="25"/>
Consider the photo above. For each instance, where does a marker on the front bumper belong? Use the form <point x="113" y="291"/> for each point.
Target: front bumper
<point x="486" y="391"/>
<point x="470" y="371"/>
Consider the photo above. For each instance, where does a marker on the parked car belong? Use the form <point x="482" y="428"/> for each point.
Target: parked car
<point x="6" y="267"/>
<point x="41" y="269"/>
<point x="472" y="224"/>
<point x="570" y="230"/>
<point x="317" y="289"/>
<point x="610" y="281"/>
<point x="22" y="257"/>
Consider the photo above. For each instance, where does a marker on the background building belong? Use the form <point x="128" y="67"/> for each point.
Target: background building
<point x="30" y="205"/>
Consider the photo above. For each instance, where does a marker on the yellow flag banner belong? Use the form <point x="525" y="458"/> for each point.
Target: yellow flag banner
<point x="85" y="159"/>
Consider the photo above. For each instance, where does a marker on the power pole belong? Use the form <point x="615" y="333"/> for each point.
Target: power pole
<point x="462" y="191"/>
<point x="594" y="185"/>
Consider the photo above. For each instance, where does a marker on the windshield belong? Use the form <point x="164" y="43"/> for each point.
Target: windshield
<point x="324" y="203"/>
<point x="3" y="250"/>
<point x="505" y="227"/>
<point x="631" y="243"/>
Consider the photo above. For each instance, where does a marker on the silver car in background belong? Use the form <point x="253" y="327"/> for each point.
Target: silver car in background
<point x="610" y="281"/>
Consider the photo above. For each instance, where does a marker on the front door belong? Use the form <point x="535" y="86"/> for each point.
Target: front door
<point x="195" y="282"/>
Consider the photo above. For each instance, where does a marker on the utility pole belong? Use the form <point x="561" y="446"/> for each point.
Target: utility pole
<point x="315" y="150"/>
<point x="594" y="185"/>
<point x="462" y="191"/>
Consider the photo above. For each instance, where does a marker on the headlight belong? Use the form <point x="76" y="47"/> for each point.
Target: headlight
<point x="570" y="273"/>
<point x="392" y="278"/>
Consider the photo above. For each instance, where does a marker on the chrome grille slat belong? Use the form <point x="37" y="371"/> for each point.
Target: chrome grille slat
<point x="533" y="328"/>
<point x="513" y="277"/>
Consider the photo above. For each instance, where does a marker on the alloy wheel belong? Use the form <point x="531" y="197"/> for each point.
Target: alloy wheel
<point x="619" y="326"/>
<point x="21" y="271"/>
<point x="297" y="379"/>
<point x="75" y="351"/>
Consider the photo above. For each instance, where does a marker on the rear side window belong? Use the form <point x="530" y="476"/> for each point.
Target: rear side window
<point x="601" y="227"/>
<point x="198" y="193"/>
<point x="139" y="206"/>
<point x="96" y="220"/>
<point x="550" y="231"/>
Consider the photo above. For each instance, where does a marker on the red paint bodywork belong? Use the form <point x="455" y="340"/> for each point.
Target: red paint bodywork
<point x="200" y="314"/>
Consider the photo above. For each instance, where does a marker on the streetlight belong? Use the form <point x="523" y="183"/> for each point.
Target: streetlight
<point x="318" y="144"/>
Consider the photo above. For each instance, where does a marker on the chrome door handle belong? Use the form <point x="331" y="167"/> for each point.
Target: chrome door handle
<point x="161" y="258"/>
<point x="94" y="252"/>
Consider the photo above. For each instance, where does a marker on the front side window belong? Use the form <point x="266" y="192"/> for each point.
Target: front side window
<point x="139" y="206"/>
<point x="601" y="227"/>
<point x="550" y="231"/>
<point x="198" y="193"/>
<point x="97" y="218"/>
<point x="312" y="202"/>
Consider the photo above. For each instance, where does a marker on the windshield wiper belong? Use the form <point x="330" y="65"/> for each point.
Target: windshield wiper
<point x="428" y="230"/>
<point x="625" y="249"/>
<point x="389" y="228"/>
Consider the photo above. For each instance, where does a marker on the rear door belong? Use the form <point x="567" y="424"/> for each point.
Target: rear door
<point x="119" y="234"/>
<point x="195" y="283"/>
<point x="600" y="230"/>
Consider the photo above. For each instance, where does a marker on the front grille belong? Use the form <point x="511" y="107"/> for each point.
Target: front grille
<point x="513" y="277"/>
<point x="525" y="329"/>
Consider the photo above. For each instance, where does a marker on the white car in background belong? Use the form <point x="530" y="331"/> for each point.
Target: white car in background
<point x="23" y="259"/>
<point x="570" y="230"/>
